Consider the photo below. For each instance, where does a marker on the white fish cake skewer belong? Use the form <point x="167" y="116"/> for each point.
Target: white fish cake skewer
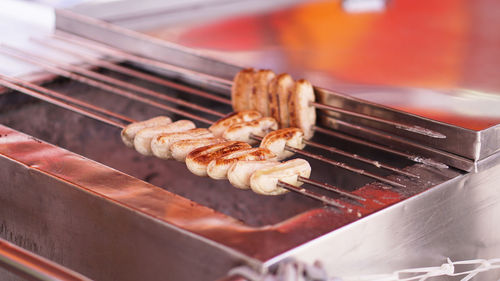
<point x="239" y="173"/>
<point x="160" y="145"/>
<point x="198" y="159"/>
<point x="218" y="168"/>
<point x="242" y="131"/>
<point x="259" y="99"/>
<point x="265" y="180"/>
<point x="276" y="141"/>
<point x="283" y="85"/>
<point x="128" y="133"/>
<point x="243" y="87"/>
<point x="302" y="113"/>
<point x="143" y="138"/>
<point x="219" y="127"/>
<point x="181" y="149"/>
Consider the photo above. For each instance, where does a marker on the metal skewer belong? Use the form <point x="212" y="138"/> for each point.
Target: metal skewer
<point x="311" y="194"/>
<point x="362" y="142"/>
<point x="54" y="101"/>
<point x="106" y="87"/>
<point x="66" y="98"/>
<point x="134" y="73"/>
<point x="4" y="82"/>
<point x="398" y="125"/>
<point x="360" y="158"/>
<point x="113" y="81"/>
<point x="133" y="58"/>
<point x="329" y="187"/>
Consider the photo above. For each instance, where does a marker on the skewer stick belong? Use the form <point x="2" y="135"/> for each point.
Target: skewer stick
<point x="343" y="166"/>
<point x="134" y="73"/>
<point x="106" y="87"/>
<point x="311" y="194"/>
<point x="360" y="158"/>
<point x="329" y="187"/>
<point x="113" y="81"/>
<point x="365" y="143"/>
<point x="398" y="125"/>
<point x="66" y="98"/>
<point x="54" y="101"/>
<point x="133" y="58"/>
<point x="4" y="82"/>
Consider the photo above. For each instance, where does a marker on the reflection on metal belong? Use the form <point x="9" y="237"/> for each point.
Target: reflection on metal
<point x="33" y="267"/>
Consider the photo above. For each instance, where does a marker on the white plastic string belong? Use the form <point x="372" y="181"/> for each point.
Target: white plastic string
<point x="297" y="271"/>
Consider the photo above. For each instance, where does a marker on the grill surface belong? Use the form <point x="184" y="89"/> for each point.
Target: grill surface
<point x="101" y="143"/>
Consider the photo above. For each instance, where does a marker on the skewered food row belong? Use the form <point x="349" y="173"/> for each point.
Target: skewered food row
<point x="277" y="96"/>
<point x="223" y="151"/>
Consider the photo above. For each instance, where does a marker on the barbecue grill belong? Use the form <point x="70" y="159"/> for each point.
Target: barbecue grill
<point x="389" y="189"/>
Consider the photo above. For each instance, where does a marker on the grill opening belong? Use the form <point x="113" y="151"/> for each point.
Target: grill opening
<point x="122" y="88"/>
<point x="101" y="142"/>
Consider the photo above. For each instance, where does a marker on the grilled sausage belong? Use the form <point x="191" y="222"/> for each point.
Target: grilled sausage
<point x="259" y="96"/>
<point x="242" y="131"/>
<point x="217" y="168"/>
<point x="265" y="180"/>
<point x="143" y="138"/>
<point x="282" y="85"/>
<point x="160" y="145"/>
<point x="198" y="159"/>
<point x="181" y="149"/>
<point x="277" y="140"/>
<point x="242" y="88"/>
<point x="223" y="124"/>
<point x="302" y="114"/>
<point x="128" y="133"/>
<point x="239" y="173"/>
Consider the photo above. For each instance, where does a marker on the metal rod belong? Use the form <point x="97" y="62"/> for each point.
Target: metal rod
<point x="407" y="142"/>
<point x="66" y="98"/>
<point x="311" y="194"/>
<point x="113" y="81"/>
<point x="106" y="87"/>
<point x="343" y="166"/>
<point x="142" y="60"/>
<point x="362" y="142"/>
<point x="33" y="267"/>
<point x="34" y="94"/>
<point x="134" y="73"/>
<point x="398" y="125"/>
<point x="360" y="158"/>
<point x="330" y="187"/>
<point x="335" y="163"/>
